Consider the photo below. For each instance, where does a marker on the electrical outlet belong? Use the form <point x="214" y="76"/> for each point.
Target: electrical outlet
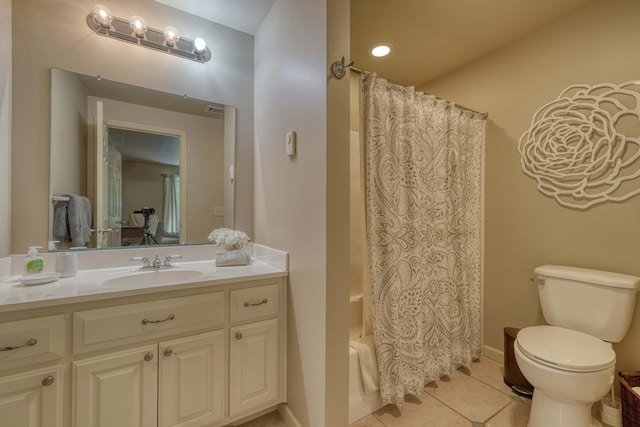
<point x="218" y="211"/>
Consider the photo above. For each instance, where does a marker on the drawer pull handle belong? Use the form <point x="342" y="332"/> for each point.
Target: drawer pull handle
<point x="29" y="343"/>
<point x="168" y="352"/>
<point x="255" y="304"/>
<point x="169" y="317"/>
<point x="47" y="381"/>
<point x="148" y="357"/>
<point x="238" y="335"/>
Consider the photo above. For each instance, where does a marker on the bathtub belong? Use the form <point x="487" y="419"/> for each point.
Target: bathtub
<point x="360" y="403"/>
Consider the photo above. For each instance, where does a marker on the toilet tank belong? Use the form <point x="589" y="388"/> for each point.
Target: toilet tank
<point x="598" y="303"/>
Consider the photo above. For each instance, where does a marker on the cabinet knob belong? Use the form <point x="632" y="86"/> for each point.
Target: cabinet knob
<point x="168" y="352"/>
<point x="148" y="356"/>
<point x="238" y="335"/>
<point x="48" y="380"/>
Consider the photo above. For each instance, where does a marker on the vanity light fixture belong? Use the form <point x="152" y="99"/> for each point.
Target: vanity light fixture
<point x="102" y="15"/>
<point x="138" y="25"/>
<point x="171" y="35"/>
<point x="199" y="46"/>
<point x="136" y="31"/>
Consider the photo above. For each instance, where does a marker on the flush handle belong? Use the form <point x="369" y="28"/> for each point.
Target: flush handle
<point x="537" y="281"/>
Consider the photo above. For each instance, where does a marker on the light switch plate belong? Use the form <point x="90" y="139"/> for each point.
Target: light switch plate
<point x="290" y="145"/>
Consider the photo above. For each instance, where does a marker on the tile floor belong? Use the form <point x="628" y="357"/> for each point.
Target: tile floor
<point x="475" y="397"/>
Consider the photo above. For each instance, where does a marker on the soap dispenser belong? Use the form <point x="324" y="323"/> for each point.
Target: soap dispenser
<point x="33" y="263"/>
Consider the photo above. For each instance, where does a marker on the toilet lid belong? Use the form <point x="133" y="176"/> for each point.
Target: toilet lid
<point x="566" y="349"/>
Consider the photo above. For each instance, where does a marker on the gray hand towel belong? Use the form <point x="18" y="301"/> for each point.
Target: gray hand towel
<point x="80" y="218"/>
<point x="60" y="223"/>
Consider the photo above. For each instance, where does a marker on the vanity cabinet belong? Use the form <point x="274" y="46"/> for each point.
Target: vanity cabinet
<point x="192" y="380"/>
<point x="206" y="359"/>
<point x="32" y="399"/>
<point x="253" y="369"/>
<point x="118" y="389"/>
<point x="174" y="383"/>
<point x="204" y="356"/>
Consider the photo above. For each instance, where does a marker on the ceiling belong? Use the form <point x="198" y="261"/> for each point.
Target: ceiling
<point x="433" y="37"/>
<point x="241" y="15"/>
<point x="430" y="37"/>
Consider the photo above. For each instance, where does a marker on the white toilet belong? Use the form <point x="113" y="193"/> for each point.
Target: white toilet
<point x="571" y="364"/>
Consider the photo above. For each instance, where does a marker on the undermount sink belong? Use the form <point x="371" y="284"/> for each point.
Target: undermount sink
<point x="152" y="277"/>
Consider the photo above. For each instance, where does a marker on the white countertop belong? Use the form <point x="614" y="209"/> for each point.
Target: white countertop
<point x="88" y="284"/>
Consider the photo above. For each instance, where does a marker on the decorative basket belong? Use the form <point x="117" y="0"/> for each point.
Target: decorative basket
<point x="630" y="399"/>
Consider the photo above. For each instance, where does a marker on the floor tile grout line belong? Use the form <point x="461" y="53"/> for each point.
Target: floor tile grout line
<point x="498" y="412"/>
<point x="472" y="421"/>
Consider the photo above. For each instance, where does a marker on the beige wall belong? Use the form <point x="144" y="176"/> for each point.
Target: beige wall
<point x="297" y="203"/>
<point x="71" y="45"/>
<point x="68" y="161"/>
<point x="5" y="128"/>
<point x="524" y="228"/>
<point x="142" y="186"/>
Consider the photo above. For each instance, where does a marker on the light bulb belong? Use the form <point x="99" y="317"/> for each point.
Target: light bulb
<point x="171" y="35"/>
<point x="381" y="50"/>
<point x="199" y="46"/>
<point x="102" y="15"/>
<point x="138" y="25"/>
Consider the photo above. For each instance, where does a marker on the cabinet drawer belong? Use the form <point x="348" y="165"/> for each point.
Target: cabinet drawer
<point x="25" y="342"/>
<point x="254" y="303"/>
<point x="112" y="326"/>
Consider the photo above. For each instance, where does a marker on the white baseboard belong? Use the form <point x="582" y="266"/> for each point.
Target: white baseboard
<point x="287" y="416"/>
<point x="493" y="354"/>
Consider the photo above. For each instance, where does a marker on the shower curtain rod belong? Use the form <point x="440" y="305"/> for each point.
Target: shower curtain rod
<point x="483" y="114"/>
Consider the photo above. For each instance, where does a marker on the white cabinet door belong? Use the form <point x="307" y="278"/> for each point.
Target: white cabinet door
<point x="253" y="365"/>
<point x="117" y="390"/>
<point x="192" y="380"/>
<point x="33" y="399"/>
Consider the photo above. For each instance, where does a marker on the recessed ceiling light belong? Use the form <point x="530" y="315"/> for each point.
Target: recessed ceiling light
<point x="381" y="49"/>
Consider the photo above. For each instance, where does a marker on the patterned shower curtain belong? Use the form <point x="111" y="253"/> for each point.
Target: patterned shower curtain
<point x="424" y="234"/>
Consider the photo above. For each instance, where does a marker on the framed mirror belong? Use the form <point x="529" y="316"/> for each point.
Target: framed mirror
<point x="118" y="165"/>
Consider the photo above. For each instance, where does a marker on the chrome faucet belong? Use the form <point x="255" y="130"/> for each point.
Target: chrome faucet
<point x="156" y="264"/>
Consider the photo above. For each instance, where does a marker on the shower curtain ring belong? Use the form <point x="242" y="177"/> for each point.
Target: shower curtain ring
<point x="339" y="68"/>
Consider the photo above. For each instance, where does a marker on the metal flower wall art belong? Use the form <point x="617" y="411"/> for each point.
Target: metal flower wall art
<point x="583" y="148"/>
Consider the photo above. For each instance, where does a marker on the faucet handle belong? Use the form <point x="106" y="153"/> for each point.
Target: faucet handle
<point x="145" y="260"/>
<point x="168" y="258"/>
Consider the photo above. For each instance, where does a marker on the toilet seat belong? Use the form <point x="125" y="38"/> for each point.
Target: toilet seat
<point x="565" y="349"/>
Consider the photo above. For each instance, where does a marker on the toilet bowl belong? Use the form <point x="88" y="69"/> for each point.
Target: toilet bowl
<point x="570" y="371"/>
<point x="570" y="362"/>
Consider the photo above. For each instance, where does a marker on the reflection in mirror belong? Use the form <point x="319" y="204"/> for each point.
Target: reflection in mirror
<point x="119" y="174"/>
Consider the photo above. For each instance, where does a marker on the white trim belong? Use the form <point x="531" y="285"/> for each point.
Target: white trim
<point x="493" y="354"/>
<point x="287" y="416"/>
